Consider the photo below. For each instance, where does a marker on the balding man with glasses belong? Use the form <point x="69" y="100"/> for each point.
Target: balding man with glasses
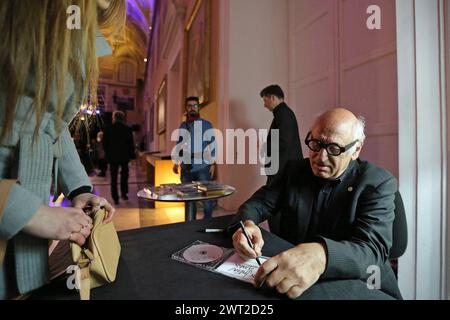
<point x="335" y="208"/>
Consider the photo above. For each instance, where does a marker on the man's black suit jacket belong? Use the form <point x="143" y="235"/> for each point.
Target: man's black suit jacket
<point x="359" y="218"/>
<point x="118" y="143"/>
<point x="289" y="144"/>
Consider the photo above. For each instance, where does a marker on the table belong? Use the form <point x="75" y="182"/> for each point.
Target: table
<point x="189" y="213"/>
<point x="159" y="170"/>
<point x="146" y="270"/>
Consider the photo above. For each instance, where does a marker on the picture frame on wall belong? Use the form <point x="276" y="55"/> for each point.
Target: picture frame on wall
<point x="197" y="78"/>
<point x="162" y="107"/>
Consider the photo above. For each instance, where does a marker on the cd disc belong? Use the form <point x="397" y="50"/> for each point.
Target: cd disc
<point x="202" y="253"/>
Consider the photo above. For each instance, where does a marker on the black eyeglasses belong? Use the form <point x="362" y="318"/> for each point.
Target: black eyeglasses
<point x="333" y="149"/>
<point x="193" y="105"/>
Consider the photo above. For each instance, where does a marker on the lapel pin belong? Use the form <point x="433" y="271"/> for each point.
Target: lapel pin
<point x="350" y="189"/>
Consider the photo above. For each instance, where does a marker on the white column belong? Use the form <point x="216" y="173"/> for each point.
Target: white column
<point x="422" y="146"/>
<point x="445" y="85"/>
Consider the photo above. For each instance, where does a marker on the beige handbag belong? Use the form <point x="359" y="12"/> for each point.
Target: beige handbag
<point x="5" y="187"/>
<point x="99" y="257"/>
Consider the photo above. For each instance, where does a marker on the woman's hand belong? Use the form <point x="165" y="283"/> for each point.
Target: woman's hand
<point x="88" y="199"/>
<point x="59" y="223"/>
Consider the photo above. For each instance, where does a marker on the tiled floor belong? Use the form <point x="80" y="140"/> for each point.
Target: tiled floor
<point x="134" y="213"/>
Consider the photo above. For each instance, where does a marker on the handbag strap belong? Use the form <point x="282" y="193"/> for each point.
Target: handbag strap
<point x="85" y="283"/>
<point x="5" y="187"/>
<point x="84" y="263"/>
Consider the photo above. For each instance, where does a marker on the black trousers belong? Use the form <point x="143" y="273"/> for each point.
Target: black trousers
<point x="114" y="169"/>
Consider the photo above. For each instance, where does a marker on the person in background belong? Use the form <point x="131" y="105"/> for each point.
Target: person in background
<point x="119" y="148"/>
<point x="284" y="120"/>
<point x="47" y="69"/>
<point x="202" y="169"/>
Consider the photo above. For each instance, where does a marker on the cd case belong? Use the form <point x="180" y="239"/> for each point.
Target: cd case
<point x="218" y="259"/>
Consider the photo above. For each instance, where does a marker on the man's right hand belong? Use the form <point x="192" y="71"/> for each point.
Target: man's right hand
<point x="59" y="223"/>
<point x="175" y="168"/>
<point x="240" y="242"/>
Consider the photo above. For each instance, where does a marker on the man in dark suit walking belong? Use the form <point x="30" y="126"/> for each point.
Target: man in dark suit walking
<point x="335" y="208"/>
<point x="119" y="148"/>
<point x="284" y="120"/>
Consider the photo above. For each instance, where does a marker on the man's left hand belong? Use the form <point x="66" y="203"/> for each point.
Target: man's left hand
<point x="293" y="271"/>
<point x="88" y="199"/>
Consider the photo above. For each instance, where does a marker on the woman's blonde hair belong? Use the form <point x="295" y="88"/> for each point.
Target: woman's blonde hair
<point x="36" y="41"/>
<point x="112" y="20"/>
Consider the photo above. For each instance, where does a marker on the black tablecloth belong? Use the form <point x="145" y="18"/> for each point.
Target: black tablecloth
<point x="146" y="270"/>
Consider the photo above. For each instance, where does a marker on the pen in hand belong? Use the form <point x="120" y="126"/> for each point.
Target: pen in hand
<point x="248" y="240"/>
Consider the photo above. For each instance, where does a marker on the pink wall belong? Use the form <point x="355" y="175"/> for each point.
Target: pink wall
<point x="257" y="57"/>
<point x="335" y="60"/>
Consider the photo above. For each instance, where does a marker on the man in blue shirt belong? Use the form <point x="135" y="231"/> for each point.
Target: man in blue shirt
<point x="196" y="143"/>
